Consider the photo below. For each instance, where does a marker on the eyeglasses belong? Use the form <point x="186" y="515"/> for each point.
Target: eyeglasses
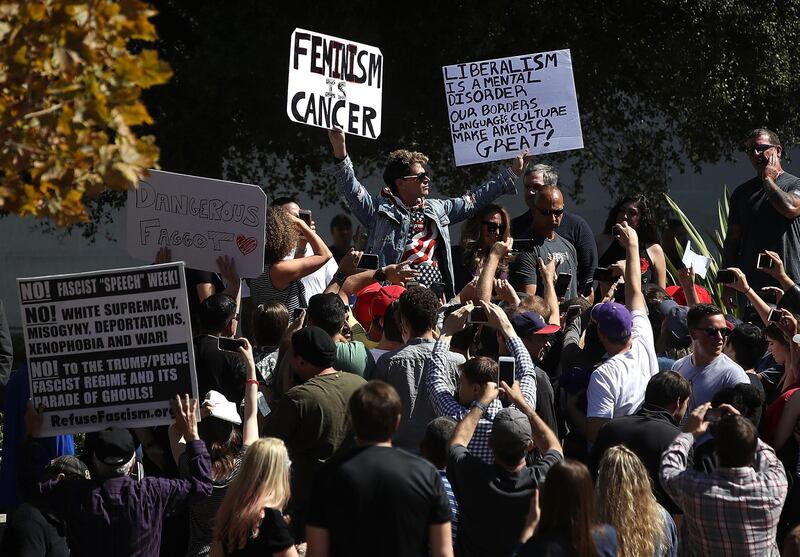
<point x="422" y="177"/>
<point x="551" y="212"/>
<point x="760" y="148"/>
<point x="712" y="331"/>
<point x="494" y="228"/>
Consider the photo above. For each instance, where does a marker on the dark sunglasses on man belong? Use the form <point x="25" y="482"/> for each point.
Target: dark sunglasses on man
<point x="551" y="212"/>
<point x="712" y="331"/>
<point x="759" y="148"/>
<point x="422" y="177"/>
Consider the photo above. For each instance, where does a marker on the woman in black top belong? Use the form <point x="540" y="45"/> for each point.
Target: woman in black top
<point x="250" y="520"/>
<point x="635" y="211"/>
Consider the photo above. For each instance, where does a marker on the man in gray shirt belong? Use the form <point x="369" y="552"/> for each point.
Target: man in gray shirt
<point x="404" y="368"/>
<point x="707" y="369"/>
<point x="548" y="211"/>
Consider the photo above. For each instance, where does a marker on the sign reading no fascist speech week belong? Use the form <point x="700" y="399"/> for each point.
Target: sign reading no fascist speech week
<point x="499" y="108"/>
<point x="334" y="82"/>
<point x="107" y="347"/>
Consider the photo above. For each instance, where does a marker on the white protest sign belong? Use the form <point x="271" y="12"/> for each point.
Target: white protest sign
<point x="199" y="219"/>
<point x="107" y="347"/>
<point x="699" y="263"/>
<point x="334" y="82"/>
<point x="498" y="108"/>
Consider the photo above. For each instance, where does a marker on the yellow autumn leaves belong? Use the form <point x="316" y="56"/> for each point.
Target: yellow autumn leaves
<point x="69" y="95"/>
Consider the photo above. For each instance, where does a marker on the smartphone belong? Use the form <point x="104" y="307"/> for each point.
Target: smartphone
<point x="726" y="276"/>
<point x="411" y="284"/>
<point x="263" y="407"/>
<point x="562" y="284"/>
<point x="229" y="344"/>
<point x="603" y="274"/>
<point x="297" y="313"/>
<point x="774" y="315"/>
<point x="368" y="261"/>
<point x="305" y="216"/>
<point x="478" y="315"/>
<point x="764" y="261"/>
<point x="438" y="289"/>
<point x="573" y="312"/>
<point x="769" y="295"/>
<point x="713" y="415"/>
<point x="523" y="244"/>
<point x="505" y="370"/>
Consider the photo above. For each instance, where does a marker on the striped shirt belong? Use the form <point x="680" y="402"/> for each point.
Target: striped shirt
<point x="451" y="498"/>
<point x="262" y="290"/>
<point x="445" y="404"/>
<point x="732" y="511"/>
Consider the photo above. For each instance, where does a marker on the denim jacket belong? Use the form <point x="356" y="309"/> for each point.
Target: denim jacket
<point x="388" y="223"/>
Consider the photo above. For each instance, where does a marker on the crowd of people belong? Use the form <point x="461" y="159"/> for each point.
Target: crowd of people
<point x="534" y="390"/>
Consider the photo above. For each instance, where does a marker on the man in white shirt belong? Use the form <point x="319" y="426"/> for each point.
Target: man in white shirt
<point x="707" y="369"/>
<point x="617" y="386"/>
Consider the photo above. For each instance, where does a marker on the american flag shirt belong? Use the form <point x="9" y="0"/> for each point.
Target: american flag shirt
<point x="732" y="511"/>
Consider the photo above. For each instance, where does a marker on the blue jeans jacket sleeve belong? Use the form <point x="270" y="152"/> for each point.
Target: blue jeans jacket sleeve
<point x="358" y="198"/>
<point x="460" y="208"/>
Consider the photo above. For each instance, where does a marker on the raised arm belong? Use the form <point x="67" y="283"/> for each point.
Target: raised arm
<point x="633" y="274"/>
<point x="358" y="198"/>
<point x="741" y="285"/>
<point x="486" y="279"/>
<point x="282" y="273"/>
<point x="466" y="427"/>
<point x="524" y="370"/>
<point x="440" y="389"/>
<point x="548" y="289"/>
<point x="250" y="424"/>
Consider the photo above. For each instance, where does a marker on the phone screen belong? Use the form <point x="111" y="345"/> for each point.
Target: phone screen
<point x="774" y="316"/>
<point x="562" y="283"/>
<point x="573" y="311"/>
<point x="725" y="276"/>
<point x="229" y="344"/>
<point x="438" y="289"/>
<point x="505" y="370"/>
<point x="305" y="215"/>
<point x="368" y="261"/>
<point x="603" y="274"/>
<point x="763" y="261"/>
<point x="478" y="315"/>
<point x="523" y="244"/>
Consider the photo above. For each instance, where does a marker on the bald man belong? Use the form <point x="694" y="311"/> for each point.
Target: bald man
<point x="547" y="211"/>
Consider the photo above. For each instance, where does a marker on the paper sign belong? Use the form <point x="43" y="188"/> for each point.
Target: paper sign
<point x="107" y="347"/>
<point x="335" y="82"/>
<point x="699" y="263"/>
<point x="198" y="219"/>
<point x="499" y="108"/>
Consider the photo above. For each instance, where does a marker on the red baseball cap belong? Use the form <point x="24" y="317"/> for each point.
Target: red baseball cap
<point x="677" y="294"/>
<point x="373" y="300"/>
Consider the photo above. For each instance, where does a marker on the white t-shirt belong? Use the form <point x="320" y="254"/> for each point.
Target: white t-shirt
<point x="707" y="380"/>
<point x="617" y="386"/>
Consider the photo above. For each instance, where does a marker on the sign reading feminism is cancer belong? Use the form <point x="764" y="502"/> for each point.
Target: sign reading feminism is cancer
<point x="335" y="83"/>
<point x="499" y="108"/>
<point x="198" y="219"/>
<point x="107" y="347"/>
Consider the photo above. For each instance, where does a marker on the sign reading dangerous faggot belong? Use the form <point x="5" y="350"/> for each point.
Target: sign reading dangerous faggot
<point x="199" y="219"/>
<point x="335" y="83"/>
<point x="107" y="347"/>
<point x="499" y="108"/>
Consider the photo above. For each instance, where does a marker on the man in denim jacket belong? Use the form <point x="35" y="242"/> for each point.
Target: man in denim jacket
<point x="404" y="225"/>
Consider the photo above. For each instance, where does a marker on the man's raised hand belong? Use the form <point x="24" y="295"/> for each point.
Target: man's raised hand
<point x="336" y="135"/>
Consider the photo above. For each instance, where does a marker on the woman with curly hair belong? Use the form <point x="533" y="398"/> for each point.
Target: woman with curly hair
<point x="566" y="523"/>
<point x="250" y="520"/>
<point x="634" y="210"/>
<point x="626" y="501"/>
<point x="280" y="280"/>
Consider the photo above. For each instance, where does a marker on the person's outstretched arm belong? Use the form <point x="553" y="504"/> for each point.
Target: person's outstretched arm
<point x="358" y="198"/>
<point x="634" y="299"/>
<point x="466" y="427"/>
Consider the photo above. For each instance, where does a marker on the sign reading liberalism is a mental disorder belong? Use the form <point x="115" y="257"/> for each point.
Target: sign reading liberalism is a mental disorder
<point x="335" y="83"/>
<point x="107" y="347"/>
<point x="198" y="219"/>
<point x="499" y="108"/>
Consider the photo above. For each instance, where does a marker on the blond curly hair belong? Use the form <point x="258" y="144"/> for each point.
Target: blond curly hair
<point x="281" y="236"/>
<point x="626" y="501"/>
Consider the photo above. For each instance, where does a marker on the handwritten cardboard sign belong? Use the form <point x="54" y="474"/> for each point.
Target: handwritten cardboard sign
<point x="199" y="219"/>
<point x="499" y="108"/>
<point x="335" y="82"/>
<point x="107" y="347"/>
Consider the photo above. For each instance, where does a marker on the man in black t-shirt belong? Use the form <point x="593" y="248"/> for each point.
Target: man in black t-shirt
<point x="376" y="499"/>
<point x="494" y="499"/>
<point x="218" y="370"/>
<point x="763" y="213"/>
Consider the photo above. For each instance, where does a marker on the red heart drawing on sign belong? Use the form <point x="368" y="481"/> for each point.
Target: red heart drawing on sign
<point x="245" y="244"/>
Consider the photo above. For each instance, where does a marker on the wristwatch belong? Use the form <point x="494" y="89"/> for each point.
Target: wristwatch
<point x="479" y="404"/>
<point x="379" y="275"/>
<point x="339" y="277"/>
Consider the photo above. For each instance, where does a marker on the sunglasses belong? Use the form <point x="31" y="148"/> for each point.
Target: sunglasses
<point x="494" y="228"/>
<point x="551" y="212"/>
<point x="711" y="331"/>
<point x="422" y="177"/>
<point x="761" y="147"/>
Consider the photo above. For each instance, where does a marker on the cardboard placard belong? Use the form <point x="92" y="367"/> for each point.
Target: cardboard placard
<point x="198" y="219"/>
<point x="335" y="82"/>
<point x="107" y="347"/>
<point x="499" y="108"/>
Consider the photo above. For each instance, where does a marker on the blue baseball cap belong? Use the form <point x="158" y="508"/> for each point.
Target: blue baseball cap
<point x="613" y="320"/>
<point x="531" y="323"/>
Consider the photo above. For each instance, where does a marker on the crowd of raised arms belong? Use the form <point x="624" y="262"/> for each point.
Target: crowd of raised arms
<point x="532" y="389"/>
